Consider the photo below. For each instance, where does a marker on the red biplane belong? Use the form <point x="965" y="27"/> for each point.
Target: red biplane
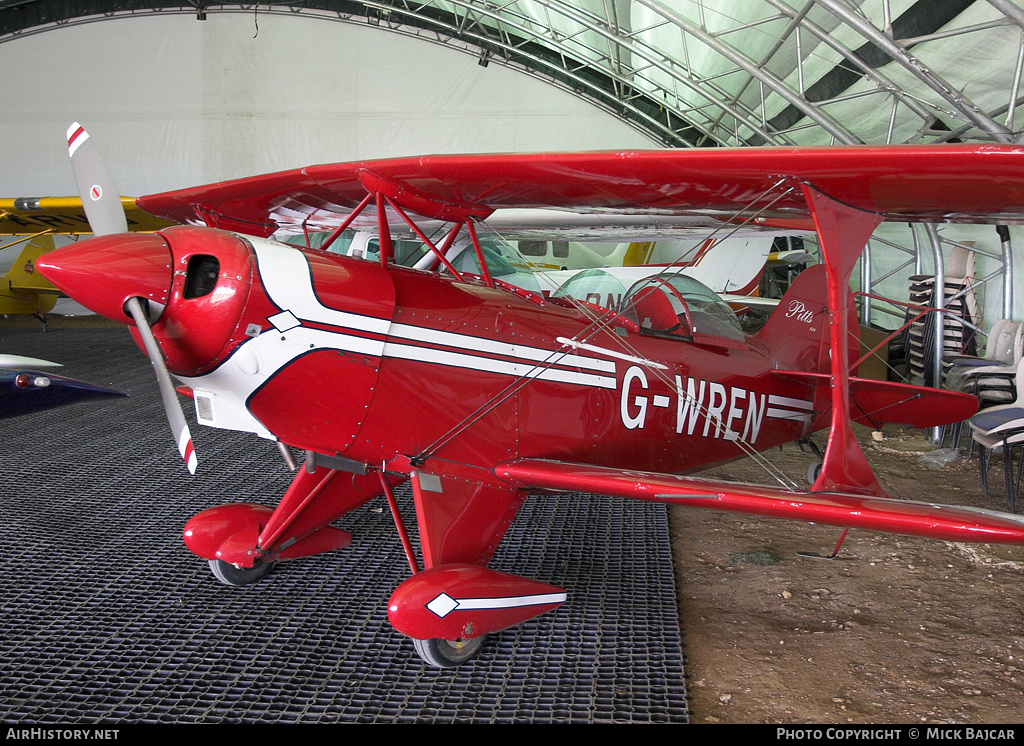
<point x="480" y="392"/>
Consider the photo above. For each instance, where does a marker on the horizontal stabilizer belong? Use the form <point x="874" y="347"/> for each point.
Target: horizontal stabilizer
<point x="874" y="403"/>
<point x="944" y="522"/>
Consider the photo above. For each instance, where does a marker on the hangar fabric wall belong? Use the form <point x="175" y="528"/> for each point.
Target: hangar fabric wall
<point x="173" y="101"/>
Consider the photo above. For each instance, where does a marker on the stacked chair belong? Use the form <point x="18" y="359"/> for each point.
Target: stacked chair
<point x="992" y="376"/>
<point x="1000" y="428"/>
<point x="996" y="376"/>
<point x="958" y="320"/>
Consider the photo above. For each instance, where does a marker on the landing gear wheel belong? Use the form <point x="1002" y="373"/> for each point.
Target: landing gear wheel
<point x="449" y="653"/>
<point x="228" y="574"/>
<point x="813" y="471"/>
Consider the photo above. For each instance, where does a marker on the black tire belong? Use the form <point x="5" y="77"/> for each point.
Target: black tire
<point x="813" y="471"/>
<point x="228" y="574"/>
<point x="449" y="653"/>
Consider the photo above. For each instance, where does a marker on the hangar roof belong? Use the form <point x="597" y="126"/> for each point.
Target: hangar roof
<point x="698" y="72"/>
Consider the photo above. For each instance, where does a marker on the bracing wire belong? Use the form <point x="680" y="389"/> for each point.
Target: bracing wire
<point x="602" y="321"/>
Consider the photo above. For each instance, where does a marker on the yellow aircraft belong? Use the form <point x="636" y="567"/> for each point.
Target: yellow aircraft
<point x="25" y="216"/>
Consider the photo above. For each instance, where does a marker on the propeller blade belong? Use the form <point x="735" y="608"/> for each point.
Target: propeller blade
<point x="175" y="415"/>
<point x="100" y="198"/>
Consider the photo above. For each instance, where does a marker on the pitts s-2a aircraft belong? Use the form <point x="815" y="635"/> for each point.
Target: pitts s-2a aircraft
<point x="480" y="392"/>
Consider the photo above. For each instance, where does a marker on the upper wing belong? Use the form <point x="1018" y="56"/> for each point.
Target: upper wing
<point x="979" y="183"/>
<point x="27" y="215"/>
<point x="678" y="189"/>
<point x="835" y="509"/>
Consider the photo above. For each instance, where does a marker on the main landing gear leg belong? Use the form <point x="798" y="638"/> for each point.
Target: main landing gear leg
<point x="814" y="470"/>
<point x="436" y="652"/>
<point x="448" y="608"/>
<point x="242" y="542"/>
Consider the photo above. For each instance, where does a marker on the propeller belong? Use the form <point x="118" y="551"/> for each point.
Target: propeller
<point x="96" y="188"/>
<point x="102" y="204"/>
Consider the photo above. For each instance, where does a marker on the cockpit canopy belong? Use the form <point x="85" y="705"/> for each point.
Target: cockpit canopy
<point x="594" y="286"/>
<point x="669" y="303"/>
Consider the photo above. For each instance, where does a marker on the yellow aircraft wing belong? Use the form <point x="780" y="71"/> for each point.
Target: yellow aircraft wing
<point x="29" y="215"/>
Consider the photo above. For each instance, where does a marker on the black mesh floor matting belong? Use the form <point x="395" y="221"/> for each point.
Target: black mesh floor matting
<point x="107" y="618"/>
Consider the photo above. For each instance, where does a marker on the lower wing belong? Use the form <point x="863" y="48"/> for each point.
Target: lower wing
<point x="945" y="522"/>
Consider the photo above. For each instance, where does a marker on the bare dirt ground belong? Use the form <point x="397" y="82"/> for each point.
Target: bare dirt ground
<point x="894" y="630"/>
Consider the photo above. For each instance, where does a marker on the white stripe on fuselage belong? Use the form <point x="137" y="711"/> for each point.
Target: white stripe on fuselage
<point x="482" y="344"/>
<point x="288" y="282"/>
